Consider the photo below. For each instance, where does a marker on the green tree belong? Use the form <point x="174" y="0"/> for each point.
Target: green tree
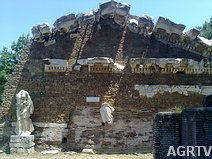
<point x="3" y="79"/>
<point x="206" y="29"/>
<point x="9" y="59"/>
<point x="20" y="44"/>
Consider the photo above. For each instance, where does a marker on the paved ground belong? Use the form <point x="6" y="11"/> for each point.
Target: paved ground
<point x="75" y="156"/>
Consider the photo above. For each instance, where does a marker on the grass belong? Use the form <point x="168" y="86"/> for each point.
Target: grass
<point x="37" y="155"/>
<point x="176" y="109"/>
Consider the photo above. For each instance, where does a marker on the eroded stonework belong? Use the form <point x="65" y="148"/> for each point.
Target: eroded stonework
<point x="22" y="144"/>
<point x="152" y="90"/>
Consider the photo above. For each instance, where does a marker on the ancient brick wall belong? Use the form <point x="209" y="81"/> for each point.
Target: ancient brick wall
<point x="167" y="132"/>
<point x="192" y="127"/>
<point x="113" y="41"/>
<point x="110" y="41"/>
<point x="60" y="97"/>
<point x="57" y="92"/>
<point x="196" y="125"/>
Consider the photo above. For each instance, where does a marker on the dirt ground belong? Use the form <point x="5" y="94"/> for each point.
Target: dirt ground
<point x="76" y="156"/>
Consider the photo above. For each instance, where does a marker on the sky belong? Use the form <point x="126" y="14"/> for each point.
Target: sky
<point x="19" y="16"/>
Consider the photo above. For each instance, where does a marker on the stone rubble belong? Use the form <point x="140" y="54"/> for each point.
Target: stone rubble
<point x="88" y="151"/>
<point x="47" y="152"/>
<point x="164" y="30"/>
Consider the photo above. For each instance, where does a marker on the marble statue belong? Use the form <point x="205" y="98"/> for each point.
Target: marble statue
<point x="106" y="113"/>
<point x="24" y="107"/>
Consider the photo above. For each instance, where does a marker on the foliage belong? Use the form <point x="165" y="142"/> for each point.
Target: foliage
<point x="206" y="29"/>
<point x="9" y="59"/>
<point x="20" y="44"/>
<point x="3" y="79"/>
<point x="176" y="109"/>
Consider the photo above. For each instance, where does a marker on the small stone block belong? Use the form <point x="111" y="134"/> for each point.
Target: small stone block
<point x="50" y="152"/>
<point x="21" y="144"/>
<point x="88" y="151"/>
<point x="21" y="139"/>
<point x="21" y="150"/>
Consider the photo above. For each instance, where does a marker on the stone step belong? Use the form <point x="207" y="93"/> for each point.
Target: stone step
<point x="22" y="145"/>
<point x="21" y="139"/>
<point x="21" y="150"/>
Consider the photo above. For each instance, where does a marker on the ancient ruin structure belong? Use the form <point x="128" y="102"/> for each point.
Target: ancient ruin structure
<point x="107" y="55"/>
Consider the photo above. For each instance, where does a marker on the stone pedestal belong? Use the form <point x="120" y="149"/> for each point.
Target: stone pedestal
<point x="21" y="144"/>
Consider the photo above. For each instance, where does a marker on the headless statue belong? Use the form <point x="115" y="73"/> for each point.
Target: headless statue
<point x="106" y="113"/>
<point x="24" y="107"/>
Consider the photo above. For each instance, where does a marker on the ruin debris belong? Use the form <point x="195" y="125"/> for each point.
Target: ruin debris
<point x="84" y="18"/>
<point x="146" y="24"/>
<point x="193" y="33"/>
<point x="169" y="27"/>
<point x="145" y="21"/>
<point x="113" y="9"/>
<point x="164" y="30"/>
<point x="40" y="32"/>
<point x="66" y="23"/>
<point x="133" y="26"/>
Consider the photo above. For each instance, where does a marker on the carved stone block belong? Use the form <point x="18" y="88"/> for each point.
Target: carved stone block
<point x="21" y="144"/>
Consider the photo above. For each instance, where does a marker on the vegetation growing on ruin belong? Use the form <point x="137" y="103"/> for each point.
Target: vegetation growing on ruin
<point x="206" y="29"/>
<point x="176" y="109"/>
<point x="9" y="59"/>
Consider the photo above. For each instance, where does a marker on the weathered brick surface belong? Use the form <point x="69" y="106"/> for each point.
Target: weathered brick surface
<point x="108" y="40"/>
<point x="167" y="132"/>
<point x="196" y="125"/>
<point x="60" y="97"/>
<point x="192" y="127"/>
<point x="55" y="93"/>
